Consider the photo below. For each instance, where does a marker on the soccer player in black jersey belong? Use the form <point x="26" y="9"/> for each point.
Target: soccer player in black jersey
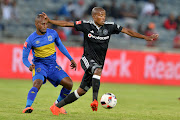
<point x="96" y="38"/>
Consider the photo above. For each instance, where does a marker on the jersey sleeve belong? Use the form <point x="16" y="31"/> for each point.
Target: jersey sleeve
<point x="78" y="25"/>
<point x="26" y="50"/>
<point x="116" y="29"/>
<point x="61" y="47"/>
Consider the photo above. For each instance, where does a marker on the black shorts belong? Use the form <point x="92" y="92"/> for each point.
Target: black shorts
<point x="89" y="66"/>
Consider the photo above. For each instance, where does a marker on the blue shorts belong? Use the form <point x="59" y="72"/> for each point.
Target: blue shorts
<point x="53" y="72"/>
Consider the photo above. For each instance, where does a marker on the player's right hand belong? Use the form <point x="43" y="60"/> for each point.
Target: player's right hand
<point x="73" y="64"/>
<point x="152" y="37"/>
<point x="45" y="16"/>
<point x="31" y="67"/>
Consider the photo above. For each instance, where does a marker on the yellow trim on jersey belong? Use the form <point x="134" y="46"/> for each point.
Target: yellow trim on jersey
<point x="45" y="51"/>
<point x="33" y="72"/>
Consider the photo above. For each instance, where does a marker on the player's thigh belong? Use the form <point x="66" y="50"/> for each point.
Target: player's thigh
<point x="95" y="68"/>
<point x="56" y="75"/>
<point x="89" y="65"/>
<point x="39" y="73"/>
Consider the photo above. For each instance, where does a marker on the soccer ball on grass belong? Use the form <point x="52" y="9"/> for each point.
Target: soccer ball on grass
<point x="108" y="100"/>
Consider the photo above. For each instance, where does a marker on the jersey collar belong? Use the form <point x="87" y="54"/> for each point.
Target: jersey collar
<point x="96" y="25"/>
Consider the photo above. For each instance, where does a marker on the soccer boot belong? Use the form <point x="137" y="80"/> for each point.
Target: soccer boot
<point x="62" y="111"/>
<point x="56" y="111"/>
<point x="94" y="105"/>
<point x="27" y="110"/>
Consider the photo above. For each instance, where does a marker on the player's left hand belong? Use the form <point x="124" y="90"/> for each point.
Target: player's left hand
<point x="152" y="37"/>
<point x="73" y="64"/>
<point x="31" y="67"/>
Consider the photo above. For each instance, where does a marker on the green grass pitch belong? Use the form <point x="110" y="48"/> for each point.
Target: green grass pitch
<point x="135" y="102"/>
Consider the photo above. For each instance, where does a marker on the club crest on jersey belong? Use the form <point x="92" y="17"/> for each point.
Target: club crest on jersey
<point x="105" y="31"/>
<point x="78" y="22"/>
<point x="25" y="44"/>
<point x="50" y="38"/>
<point x="38" y="70"/>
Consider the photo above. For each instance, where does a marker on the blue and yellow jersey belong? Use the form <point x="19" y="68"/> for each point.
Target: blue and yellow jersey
<point x="43" y="47"/>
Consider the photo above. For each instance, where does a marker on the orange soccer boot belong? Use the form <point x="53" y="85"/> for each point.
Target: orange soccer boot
<point x="27" y="110"/>
<point x="94" y="105"/>
<point x="56" y="111"/>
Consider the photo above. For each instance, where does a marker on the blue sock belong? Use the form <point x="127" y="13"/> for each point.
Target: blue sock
<point x="63" y="94"/>
<point x="31" y="96"/>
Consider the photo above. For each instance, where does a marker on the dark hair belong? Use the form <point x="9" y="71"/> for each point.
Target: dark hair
<point x="38" y="17"/>
<point x="96" y="10"/>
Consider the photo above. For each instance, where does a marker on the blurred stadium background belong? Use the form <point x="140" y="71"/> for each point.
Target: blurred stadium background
<point x="143" y="16"/>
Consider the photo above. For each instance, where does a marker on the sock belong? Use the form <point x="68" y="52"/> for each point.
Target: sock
<point x="95" y="86"/>
<point x="31" y="96"/>
<point x="69" y="99"/>
<point x="63" y="94"/>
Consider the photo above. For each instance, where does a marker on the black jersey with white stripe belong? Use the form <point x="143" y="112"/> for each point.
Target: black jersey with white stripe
<point x="96" y="38"/>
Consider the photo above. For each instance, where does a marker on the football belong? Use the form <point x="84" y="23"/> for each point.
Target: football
<point x="108" y="100"/>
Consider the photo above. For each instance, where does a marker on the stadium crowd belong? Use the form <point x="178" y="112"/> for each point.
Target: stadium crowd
<point x="144" y="16"/>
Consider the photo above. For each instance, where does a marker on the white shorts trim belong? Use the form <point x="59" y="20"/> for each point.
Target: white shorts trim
<point x="85" y="62"/>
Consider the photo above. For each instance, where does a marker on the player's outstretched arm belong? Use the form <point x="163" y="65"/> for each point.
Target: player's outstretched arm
<point x="63" y="49"/>
<point x="58" y="22"/>
<point x="137" y="35"/>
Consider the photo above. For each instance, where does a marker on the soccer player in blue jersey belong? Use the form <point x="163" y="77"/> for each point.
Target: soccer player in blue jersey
<point x="42" y="42"/>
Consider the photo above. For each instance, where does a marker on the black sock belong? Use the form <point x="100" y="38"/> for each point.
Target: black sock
<point x="68" y="99"/>
<point x="95" y="86"/>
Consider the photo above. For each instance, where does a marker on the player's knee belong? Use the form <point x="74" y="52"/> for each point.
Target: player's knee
<point x="37" y="83"/>
<point x="67" y="83"/>
<point x="98" y="71"/>
<point x="81" y="91"/>
<point x="70" y="85"/>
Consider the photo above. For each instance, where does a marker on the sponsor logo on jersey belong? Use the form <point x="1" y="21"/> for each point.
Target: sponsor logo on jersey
<point x="98" y="37"/>
<point x="37" y="42"/>
<point x="25" y="44"/>
<point x="78" y="22"/>
<point x="50" y="38"/>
